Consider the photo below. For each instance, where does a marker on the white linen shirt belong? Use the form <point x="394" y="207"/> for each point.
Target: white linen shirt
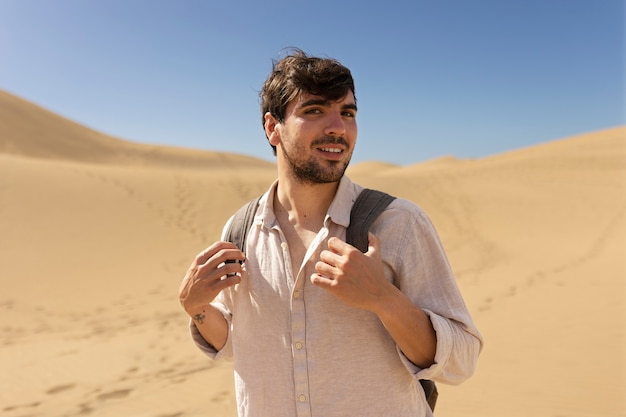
<point x="299" y="351"/>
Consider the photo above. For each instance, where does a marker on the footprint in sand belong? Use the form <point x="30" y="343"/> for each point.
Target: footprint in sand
<point x="60" y="388"/>
<point x="220" y="397"/>
<point x="112" y="395"/>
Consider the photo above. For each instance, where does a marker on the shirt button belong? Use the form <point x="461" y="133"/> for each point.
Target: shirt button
<point x="296" y="294"/>
<point x="302" y="398"/>
<point x="298" y="345"/>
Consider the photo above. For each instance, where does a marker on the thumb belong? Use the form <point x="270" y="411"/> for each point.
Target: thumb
<point x="373" y="246"/>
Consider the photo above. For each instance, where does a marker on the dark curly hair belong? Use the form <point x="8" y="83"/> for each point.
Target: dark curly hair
<point x="298" y="73"/>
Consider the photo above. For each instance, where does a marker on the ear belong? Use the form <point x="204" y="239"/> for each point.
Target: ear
<point x="272" y="129"/>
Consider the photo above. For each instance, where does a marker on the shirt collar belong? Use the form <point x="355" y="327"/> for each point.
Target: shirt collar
<point x="265" y="215"/>
<point x="339" y="210"/>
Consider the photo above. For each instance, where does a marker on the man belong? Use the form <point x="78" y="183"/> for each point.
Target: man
<point x="316" y="327"/>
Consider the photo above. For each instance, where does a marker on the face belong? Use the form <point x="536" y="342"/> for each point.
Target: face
<point x="316" y="139"/>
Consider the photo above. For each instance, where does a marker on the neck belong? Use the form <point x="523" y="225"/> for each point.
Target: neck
<point x="305" y="203"/>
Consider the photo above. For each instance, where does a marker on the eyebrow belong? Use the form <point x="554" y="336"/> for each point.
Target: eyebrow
<point x="325" y="102"/>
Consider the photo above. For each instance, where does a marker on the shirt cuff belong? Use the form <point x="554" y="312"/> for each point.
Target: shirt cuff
<point x="442" y="353"/>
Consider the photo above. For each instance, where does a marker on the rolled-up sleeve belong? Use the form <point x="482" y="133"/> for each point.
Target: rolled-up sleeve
<point x="456" y="355"/>
<point x="227" y="351"/>
<point x="420" y="269"/>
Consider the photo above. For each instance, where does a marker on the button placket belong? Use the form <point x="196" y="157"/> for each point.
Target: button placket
<point x="298" y="332"/>
<point x="300" y="366"/>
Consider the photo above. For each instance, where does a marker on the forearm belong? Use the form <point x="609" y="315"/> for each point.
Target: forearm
<point x="409" y="326"/>
<point x="212" y="325"/>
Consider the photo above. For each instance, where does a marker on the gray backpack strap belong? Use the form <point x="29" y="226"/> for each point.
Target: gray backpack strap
<point x="366" y="209"/>
<point x="242" y="222"/>
<point x="430" y="391"/>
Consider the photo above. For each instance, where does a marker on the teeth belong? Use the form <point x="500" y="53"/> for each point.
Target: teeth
<point x="333" y="150"/>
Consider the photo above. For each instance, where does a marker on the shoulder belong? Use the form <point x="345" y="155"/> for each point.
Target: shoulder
<point x="252" y="212"/>
<point x="410" y="244"/>
<point x="403" y="208"/>
<point x="402" y="220"/>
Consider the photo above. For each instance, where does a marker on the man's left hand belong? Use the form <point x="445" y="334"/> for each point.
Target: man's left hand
<point x="356" y="278"/>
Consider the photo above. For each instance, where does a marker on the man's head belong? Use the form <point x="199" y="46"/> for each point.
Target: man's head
<point x="298" y="73"/>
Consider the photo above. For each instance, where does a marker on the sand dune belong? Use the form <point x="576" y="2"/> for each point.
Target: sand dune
<point x="96" y="233"/>
<point x="29" y="130"/>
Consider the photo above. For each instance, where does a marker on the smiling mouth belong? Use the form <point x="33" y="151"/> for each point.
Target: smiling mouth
<point x="331" y="150"/>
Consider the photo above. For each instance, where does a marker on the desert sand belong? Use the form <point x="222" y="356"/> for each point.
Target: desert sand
<point x="96" y="233"/>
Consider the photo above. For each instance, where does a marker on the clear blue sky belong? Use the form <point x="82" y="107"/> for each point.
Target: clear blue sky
<point x="468" y="78"/>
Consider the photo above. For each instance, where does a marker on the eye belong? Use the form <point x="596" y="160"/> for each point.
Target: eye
<point x="349" y="113"/>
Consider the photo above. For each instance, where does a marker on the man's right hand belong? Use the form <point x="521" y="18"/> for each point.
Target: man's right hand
<point x="209" y="274"/>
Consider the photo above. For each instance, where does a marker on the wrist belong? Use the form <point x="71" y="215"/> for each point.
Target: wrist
<point x="199" y="318"/>
<point x="198" y="313"/>
<point x="387" y="303"/>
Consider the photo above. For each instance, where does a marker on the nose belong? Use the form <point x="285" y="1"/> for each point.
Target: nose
<point x="336" y="125"/>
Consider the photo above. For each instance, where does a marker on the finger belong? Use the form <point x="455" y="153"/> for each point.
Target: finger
<point x="321" y="281"/>
<point x="337" y="245"/>
<point x="329" y="257"/>
<point x="373" y="245"/>
<point x="229" y="281"/>
<point x="230" y="267"/>
<point x="233" y="257"/>
<point x="209" y="252"/>
<point x="224" y="263"/>
<point x="229" y="256"/>
<point x="325" y="270"/>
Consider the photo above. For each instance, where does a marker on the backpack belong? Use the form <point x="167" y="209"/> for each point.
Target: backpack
<point x="366" y="209"/>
